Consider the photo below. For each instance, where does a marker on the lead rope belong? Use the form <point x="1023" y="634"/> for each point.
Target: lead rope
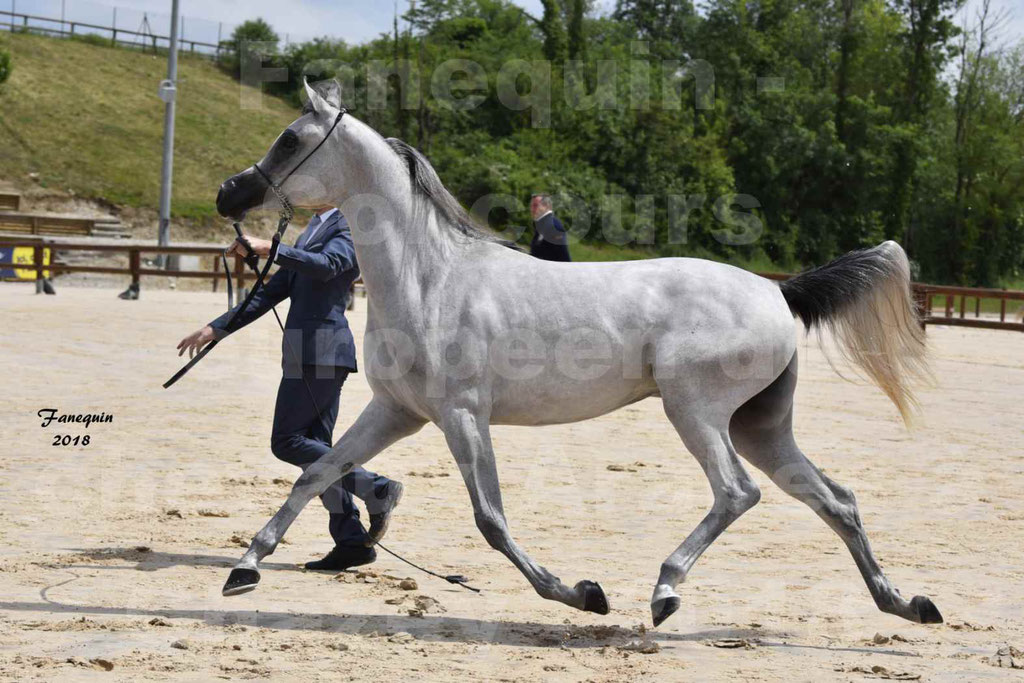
<point x="227" y="277"/>
<point x="457" y="579"/>
<point x="253" y="262"/>
<point x="229" y="327"/>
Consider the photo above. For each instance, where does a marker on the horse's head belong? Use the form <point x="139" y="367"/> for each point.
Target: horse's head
<point x="311" y="185"/>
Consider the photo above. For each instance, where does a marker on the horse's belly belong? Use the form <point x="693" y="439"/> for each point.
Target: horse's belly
<point x="560" y="402"/>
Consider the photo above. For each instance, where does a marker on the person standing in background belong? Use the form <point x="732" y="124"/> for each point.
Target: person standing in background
<point x="550" y="240"/>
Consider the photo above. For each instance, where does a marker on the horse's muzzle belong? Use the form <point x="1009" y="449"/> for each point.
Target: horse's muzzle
<point x="240" y="193"/>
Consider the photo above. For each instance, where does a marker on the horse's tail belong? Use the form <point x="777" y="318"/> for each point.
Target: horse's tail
<point x="863" y="298"/>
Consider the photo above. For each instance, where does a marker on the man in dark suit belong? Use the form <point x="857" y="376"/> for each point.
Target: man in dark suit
<point x="550" y="240"/>
<point x="318" y="353"/>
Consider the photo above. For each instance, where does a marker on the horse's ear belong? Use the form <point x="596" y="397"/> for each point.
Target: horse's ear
<point x="315" y="100"/>
<point x="331" y="91"/>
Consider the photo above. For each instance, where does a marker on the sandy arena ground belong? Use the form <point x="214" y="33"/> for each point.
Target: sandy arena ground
<point x="112" y="555"/>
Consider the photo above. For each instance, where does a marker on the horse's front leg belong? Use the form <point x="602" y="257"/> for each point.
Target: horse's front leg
<point x="468" y="435"/>
<point x="377" y="427"/>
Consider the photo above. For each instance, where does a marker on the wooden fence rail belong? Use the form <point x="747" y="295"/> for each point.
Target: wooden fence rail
<point x="924" y="294"/>
<point x="135" y="268"/>
<point x="20" y="22"/>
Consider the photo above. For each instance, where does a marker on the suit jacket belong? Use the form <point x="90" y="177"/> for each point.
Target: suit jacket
<point x="317" y="277"/>
<point x="550" y="241"/>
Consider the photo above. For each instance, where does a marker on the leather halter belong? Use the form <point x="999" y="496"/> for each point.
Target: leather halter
<point x="286" y="205"/>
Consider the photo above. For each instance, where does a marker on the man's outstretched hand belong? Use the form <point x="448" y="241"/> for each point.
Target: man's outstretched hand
<point x="260" y="247"/>
<point x="195" y="342"/>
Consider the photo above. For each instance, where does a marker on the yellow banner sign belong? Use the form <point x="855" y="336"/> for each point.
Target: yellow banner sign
<point x="25" y="255"/>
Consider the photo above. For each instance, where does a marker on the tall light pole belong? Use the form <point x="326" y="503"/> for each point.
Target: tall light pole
<point x="168" y="91"/>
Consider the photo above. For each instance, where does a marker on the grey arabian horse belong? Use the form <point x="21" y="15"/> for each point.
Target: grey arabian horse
<point x="451" y="339"/>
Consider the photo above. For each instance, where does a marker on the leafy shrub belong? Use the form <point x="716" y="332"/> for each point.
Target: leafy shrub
<point x="5" y="65"/>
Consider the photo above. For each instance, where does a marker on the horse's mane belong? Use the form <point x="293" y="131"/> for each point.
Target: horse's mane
<point x="426" y="182"/>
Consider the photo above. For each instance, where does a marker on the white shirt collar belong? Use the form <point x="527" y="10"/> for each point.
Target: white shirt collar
<point x="315" y="227"/>
<point x="542" y="215"/>
<point x="327" y="214"/>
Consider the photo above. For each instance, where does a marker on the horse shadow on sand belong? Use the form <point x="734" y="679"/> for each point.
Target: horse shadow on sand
<point x="148" y="560"/>
<point x="428" y="628"/>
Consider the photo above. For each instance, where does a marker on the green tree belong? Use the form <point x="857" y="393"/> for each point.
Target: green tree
<point x="924" y="42"/>
<point x="668" y="24"/>
<point x="577" y="36"/>
<point x="832" y="114"/>
<point x="552" y="25"/>
<point x="251" y="40"/>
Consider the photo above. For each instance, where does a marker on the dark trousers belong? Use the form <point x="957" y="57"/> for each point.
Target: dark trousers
<point x="300" y="437"/>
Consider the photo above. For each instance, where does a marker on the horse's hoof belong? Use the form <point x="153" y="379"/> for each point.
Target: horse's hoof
<point x="664" y="608"/>
<point x="240" y="581"/>
<point x="927" y="612"/>
<point x="594" y="599"/>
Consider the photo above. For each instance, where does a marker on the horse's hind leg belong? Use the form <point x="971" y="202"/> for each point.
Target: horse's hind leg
<point x="706" y="436"/>
<point x="763" y="434"/>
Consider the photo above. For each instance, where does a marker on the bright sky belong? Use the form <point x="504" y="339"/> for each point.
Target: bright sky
<point x="1010" y="30"/>
<point x="353" y="20"/>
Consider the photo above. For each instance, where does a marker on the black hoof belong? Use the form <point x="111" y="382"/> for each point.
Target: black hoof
<point x="241" y="581"/>
<point x="594" y="599"/>
<point x="663" y="609"/>
<point x="927" y="612"/>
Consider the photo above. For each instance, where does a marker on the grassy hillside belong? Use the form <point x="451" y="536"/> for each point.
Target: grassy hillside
<point x="87" y="118"/>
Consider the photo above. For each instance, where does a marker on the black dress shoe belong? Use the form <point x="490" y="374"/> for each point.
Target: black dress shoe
<point x="389" y="499"/>
<point x="344" y="557"/>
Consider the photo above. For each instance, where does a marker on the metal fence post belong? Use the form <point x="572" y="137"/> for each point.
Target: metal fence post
<point x="921" y="304"/>
<point x="167" y="169"/>
<point x="135" y="265"/>
<point x="37" y="257"/>
<point x="216" y="274"/>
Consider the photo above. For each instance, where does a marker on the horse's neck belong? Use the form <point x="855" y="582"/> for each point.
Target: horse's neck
<point x="404" y="274"/>
<point x="405" y="249"/>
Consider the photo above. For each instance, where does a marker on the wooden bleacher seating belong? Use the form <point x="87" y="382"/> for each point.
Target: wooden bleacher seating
<point x="42" y="224"/>
<point x="10" y="201"/>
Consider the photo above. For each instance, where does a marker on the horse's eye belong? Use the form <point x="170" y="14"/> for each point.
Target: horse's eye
<point x="290" y="142"/>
